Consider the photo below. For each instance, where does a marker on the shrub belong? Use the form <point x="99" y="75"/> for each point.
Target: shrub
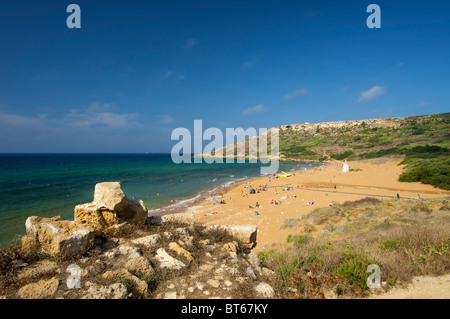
<point x="354" y="268"/>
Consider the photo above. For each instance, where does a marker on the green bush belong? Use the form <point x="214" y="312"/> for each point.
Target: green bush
<point x="354" y="268"/>
<point x="435" y="172"/>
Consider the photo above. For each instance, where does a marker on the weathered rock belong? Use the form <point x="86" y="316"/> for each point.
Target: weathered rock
<point x="114" y="291"/>
<point x="131" y="252"/>
<point x="254" y="260"/>
<point x="245" y="233"/>
<point x="265" y="290"/>
<point x="184" y="218"/>
<point x="167" y="261"/>
<point x="148" y="241"/>
<point x="122" y="274"/>
<point x="250" y="273"/>
<point x="38" y="269"/>
<point x="136" y="213"/>
<point x="97" y="218"/>
<point x="230" y="247"/>
<point x="109" y="208"/>
<point x="43" y="289"/>
<point x="140" y="265"/>
<point x="181" y="251"/>
<point x="109" y="195"/>
<point x="57" y="237"/>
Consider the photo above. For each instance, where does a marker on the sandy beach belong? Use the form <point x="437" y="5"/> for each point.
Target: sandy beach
<point x="321" y="186"/>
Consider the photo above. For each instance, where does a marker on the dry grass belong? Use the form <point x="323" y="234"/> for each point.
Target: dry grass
<point x="405" y="238"/>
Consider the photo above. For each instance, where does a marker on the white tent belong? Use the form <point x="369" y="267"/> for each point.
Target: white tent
<point x="345" y="168"/>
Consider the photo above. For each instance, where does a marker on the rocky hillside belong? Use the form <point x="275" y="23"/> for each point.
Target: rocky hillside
<point x="423" y="141"/>
<point x="113" y="250"/>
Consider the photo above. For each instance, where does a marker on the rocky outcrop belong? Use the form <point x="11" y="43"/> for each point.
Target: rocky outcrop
<point x="109" y="208"/>
<point x="245" y="233"/>
<point x="56" y="237"/>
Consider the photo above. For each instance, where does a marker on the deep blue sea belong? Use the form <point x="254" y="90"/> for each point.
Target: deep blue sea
<point x="48" y="185"/>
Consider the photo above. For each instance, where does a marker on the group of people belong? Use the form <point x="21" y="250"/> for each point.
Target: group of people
<point x="274" y="202"/>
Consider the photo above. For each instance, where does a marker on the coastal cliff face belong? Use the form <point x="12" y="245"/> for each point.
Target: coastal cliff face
<point x="341" y="140"/>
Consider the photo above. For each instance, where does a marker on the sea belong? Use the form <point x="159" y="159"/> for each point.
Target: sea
<point x="50" y="185"/>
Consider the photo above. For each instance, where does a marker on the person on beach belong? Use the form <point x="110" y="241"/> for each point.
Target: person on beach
<point x="257" y="205"/>
<point x="398" y="196"/>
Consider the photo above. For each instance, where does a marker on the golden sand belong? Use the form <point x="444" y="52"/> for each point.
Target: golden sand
<point x="370" y="179"/>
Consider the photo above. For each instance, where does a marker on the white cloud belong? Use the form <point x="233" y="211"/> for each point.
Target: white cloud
<point x="99" y="114"/>
<point x="255" y="109"/>
<point x="371" y="94"/>
<point x="301" y="91"/>
<point x="21" y="121"/>
<point x="166" y="119"/>
<point x="191" y="43"/>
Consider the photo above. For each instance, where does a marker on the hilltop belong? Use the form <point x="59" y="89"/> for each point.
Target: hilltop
<point x="423" y="141"/>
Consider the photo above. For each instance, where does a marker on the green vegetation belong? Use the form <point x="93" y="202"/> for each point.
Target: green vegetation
<point x="320" y="263"/>
<point x="422" y="141"/>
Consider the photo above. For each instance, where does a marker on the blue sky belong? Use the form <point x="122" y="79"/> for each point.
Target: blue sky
<point x="138" y="69"/>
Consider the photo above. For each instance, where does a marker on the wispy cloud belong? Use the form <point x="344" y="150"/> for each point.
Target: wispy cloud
<point x="371" y="94"/>
<point x="168" y="75"/>
<point x="190" y="43"/>
<point x="254" y="109"/>
<point x="165" y="119"/>
<point x="99" y="114"/>
<point x="298" y="92"/>
<point x="15" y="120"/>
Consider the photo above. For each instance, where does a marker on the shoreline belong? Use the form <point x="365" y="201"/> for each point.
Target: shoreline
<point x="371" y="178"/>
<point x="185" y="204"/>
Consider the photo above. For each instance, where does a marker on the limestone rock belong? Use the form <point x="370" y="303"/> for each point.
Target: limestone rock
<point x="38" y="269"/>
<point x="132" y="252"/>
<point x="97" y="218"/>
<point x="43" y="289"/>
<point x="139" y="265"/>
<point x="245" y="233"/>
<point x="181" y="251"/>
<point x="109" y="195"/>
<point x="109" y="208"/>
<point x="123" y="274"/>
<point x="135" y="213"/>
<point x="184" y="218"/>
<point x="167" y="261"/>
<point x="148" y="241"/>
<point x="265" y="290"/>
<point x="114" y="291"/>
<point x="58" y="237"/>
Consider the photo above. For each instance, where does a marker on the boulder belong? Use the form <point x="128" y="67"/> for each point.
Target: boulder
<point x="167" y="261"/>
<point x="57" y="237"/>
<point x="109" y="195"/>
<point x="140" y="265"/>
<point x="110" y="208"/>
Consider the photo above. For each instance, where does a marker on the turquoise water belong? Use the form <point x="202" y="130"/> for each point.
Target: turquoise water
<point x="48" y="185"/>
